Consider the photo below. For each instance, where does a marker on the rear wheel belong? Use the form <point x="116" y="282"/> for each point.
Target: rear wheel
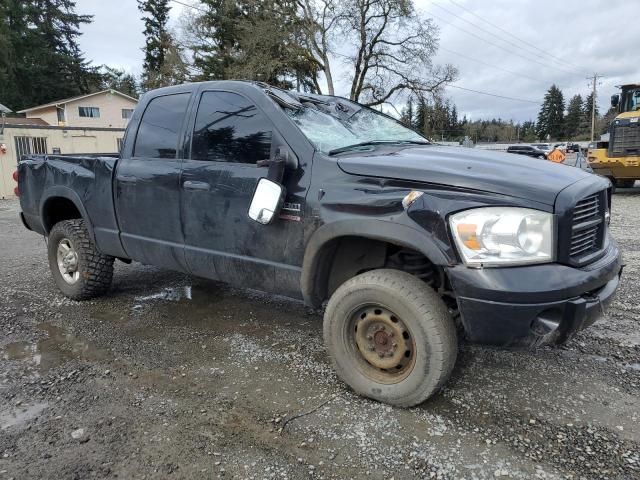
<point x="79" y="270"/>
<point x="390" y="337"/>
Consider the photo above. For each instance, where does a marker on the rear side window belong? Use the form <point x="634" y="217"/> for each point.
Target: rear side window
<point x="230" y="128"/>
<point x="160" y="127"/>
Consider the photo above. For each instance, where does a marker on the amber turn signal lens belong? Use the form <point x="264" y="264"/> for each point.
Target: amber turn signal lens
<point x="467" y="233"/>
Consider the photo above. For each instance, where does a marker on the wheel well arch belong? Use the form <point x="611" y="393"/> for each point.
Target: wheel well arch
<point x="59" y="206"/>
<point x="335" y="255"/>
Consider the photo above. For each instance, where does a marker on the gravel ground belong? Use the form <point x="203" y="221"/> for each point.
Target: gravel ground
<point x="175" y="377"/>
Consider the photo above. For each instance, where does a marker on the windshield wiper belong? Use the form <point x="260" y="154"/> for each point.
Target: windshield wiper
<point x="375" y="142"/>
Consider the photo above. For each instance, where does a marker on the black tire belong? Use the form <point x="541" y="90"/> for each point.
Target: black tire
<point x="93" y="271"/>
<point x="414" y="308"/>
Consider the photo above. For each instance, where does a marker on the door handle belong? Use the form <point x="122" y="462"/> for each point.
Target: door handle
<point x="191" y="185"/>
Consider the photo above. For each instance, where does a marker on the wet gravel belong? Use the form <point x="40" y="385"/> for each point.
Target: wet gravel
<point x="174" y="377"/>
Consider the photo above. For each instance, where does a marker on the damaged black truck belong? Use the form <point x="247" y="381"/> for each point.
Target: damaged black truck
<point x="407" y="244"/>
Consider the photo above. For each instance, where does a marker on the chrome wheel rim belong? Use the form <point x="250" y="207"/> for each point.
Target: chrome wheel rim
<point x="382" y="343"/>
<point x="67" y="258"/>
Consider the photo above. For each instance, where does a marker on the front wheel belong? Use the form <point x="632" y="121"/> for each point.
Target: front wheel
<point x="79" y="270"/>
<point x="390" y="337"/>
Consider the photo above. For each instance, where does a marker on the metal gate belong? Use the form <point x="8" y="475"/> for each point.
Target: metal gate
<point x="30" y="145"/>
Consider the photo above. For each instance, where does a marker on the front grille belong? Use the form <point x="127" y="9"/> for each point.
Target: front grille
<point x="626" y="140"/>
<point x="587" y="229"/>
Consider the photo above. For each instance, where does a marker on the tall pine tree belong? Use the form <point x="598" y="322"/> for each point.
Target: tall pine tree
<point x="255" y="40"/>
<point x="574" y="117"/>
<point x="588" y="105"/>
<point x="407" y="115"/>
<point x="551" y="116"/>
<point x="164" y="62"/>
<point x="40" y="59"/>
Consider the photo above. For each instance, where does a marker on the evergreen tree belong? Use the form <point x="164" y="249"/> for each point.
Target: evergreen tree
<point x="407" y="115"/>
<point x="422" y="118"/>
<point x="117" y="79"/>
<point x="551" y="116"/>
<point x="574" y="117"/>
<point x="253" y="39"/>
<point x="588" y="104"/>
<point x="164" y="62"/>
<point x="454" y="127"/>
<point x="586" y="122"/>
<point x="40" y="59"/>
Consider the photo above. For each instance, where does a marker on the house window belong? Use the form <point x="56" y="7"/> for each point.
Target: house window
<point x="30" y="146"/>
<point x="89" y="112"/>
<point x="127" y="113"/>
<point x="60" y="114"/>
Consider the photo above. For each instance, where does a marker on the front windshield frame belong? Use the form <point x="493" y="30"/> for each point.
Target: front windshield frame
<point x="340" y="124"/>
<point x="631" y="102"/>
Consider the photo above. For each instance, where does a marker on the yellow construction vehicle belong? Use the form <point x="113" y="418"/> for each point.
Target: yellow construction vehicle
<point x="619" y="158"/>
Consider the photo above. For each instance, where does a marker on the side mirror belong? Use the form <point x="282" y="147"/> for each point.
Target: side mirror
<point x="615" y="99"/>
<point x="266" y="202"/>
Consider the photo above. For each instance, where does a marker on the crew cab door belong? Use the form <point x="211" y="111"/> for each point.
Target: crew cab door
<point x="230" y="135"/>
<point x="147" y="185"/>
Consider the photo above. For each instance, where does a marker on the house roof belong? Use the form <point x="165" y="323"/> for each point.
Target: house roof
<point x="73" y="99"/>
<point x="4" y="109"/>
<point x="23" y="121"/>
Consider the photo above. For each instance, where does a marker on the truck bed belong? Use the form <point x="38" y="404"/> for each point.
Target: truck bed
<point x="86" y="181"/>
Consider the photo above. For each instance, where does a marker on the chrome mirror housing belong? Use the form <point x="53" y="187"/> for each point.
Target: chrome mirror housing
<point x="266" y="202"/>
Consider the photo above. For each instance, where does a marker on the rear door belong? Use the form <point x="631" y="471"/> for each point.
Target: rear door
<point x="147" y="185"/>
<point x="230" y="135"/>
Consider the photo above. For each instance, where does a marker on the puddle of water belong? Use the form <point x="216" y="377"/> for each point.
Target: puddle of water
<point x="59" y="347"/>
<point x="170" y="294"/>
<point x="213" y="305"/>
<point x="21" y="416"/>
<point x="198" y="299"/>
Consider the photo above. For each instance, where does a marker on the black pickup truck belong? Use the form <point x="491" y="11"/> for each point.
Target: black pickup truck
<point x="323" y="199"/>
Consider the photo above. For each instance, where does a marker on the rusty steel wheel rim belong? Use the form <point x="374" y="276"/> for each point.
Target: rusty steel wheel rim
<point x="383" y="344"/>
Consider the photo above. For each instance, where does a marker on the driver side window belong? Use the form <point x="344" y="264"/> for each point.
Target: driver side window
<point x="230" y="128"/>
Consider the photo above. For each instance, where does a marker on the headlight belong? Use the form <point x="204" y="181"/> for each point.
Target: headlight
<point x="503" y="236"/>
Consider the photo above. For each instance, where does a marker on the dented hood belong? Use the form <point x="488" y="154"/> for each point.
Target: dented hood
<point x="502" y="173"/>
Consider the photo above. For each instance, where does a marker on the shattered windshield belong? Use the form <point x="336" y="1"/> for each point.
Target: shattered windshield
<point x="329" y="128"/>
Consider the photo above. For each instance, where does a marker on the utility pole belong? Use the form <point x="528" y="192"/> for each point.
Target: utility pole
<point x="594" y="81"/>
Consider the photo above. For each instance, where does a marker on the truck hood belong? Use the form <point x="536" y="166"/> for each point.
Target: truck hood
<point x="502" y="173"/>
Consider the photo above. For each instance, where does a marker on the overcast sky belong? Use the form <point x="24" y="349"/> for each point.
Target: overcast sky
<point x="513" y="48"/>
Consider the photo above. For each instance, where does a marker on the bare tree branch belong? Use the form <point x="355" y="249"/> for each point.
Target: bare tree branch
<point x="394" y="47"/>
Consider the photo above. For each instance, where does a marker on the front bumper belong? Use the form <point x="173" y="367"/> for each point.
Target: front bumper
<point x="534" y="305"/>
